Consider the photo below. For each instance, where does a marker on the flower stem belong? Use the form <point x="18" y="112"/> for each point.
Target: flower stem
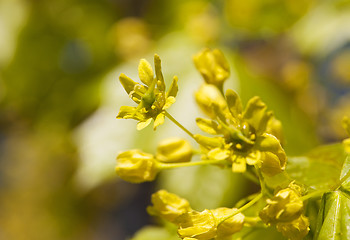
<point x="188" y="164"/>
<point x="313" y="194"/>
<point x="244" y="207"/>
<point x="178" y="124"/>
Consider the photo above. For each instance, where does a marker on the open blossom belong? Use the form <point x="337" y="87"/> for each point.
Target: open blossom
<point x="242" y="137"/>
<point x="285" y="206"/>
<point x="152" y="99"/>
<point x="285" y="210"/>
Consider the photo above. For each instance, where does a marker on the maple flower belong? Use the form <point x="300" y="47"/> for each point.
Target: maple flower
<point x="151" y="97"/>
<point x="285" y="206"/>
<point x="242" y="137"/>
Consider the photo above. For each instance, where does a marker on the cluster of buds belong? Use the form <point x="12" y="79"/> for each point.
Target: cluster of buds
<point x="242" y="137"/>
<point x="285" y="210"/>
<point x="136" y="166"/>
<point x="217" y="223"/>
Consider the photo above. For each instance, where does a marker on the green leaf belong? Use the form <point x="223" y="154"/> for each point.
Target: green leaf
<point x="334" y="217"/>
<point x="344" y="175"/>
<point x="319" y="169"/>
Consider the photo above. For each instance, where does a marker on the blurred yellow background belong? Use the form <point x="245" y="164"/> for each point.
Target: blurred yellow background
<point x="59" y="95"/>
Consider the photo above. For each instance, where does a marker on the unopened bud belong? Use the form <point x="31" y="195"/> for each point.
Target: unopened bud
<point x="174" y="150"/>
<point x="136" y="166"/>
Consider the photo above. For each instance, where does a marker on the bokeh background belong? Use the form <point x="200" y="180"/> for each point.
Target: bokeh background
<point x="59" y="95"/>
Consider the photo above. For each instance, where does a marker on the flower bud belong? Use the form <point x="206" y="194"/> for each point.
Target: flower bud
<point x="229" y="226"/>
<point x="285" y="206"/>
<point x="273" y="158"/>
<point x="168" y="205"/>
<point x="206" y="96"/>
<point x="295" y="230"/>
<point x="136" y="166"/>
<point x="213" y="66"/>
<point x="197" y="225"/>
<point x="174" y="150"/>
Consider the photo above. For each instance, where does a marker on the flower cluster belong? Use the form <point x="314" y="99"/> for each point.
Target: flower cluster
<point x="217" y="223"/>
<point x="152" y="99"/>
<point x="285" y="210"/>
<point x="246" y="139"/>
<point x="242" y="137"/>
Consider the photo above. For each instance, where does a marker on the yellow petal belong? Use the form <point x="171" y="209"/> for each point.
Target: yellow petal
<point x="159" y="74"/>
<point x="142" y="125"/>
<point x="169" y="101"/>
<point x="218" y="154"/>
<point x="208" y="126"/>
<point x="159" y="120"/>
<point x="145" y="72"/>
<point x="239" y="165"/>
<point x="173" y="88"/>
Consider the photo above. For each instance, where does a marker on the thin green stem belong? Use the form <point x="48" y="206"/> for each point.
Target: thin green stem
<point x="164" y="166"/>
<point x="251" y="177"/>
<point x="244" y="207"/>
<point x="178" y="124"/>
<point x="262" y="183"/>
<point x="313" y="194"/>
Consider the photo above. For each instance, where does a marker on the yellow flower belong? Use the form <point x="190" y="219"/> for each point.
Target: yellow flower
<point x="174" y="150"/>
<point x="152" y="99"/>
<point x="229" y="226"/>
<point x="213" y="66"/>
<point x="168" y="205"/>
<point x="285" y="206"/>
<point x="295" y="230"/>
<point x="136" y="166"/>
<point x="244" y="134"/>
<point x="197" y="225"/>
